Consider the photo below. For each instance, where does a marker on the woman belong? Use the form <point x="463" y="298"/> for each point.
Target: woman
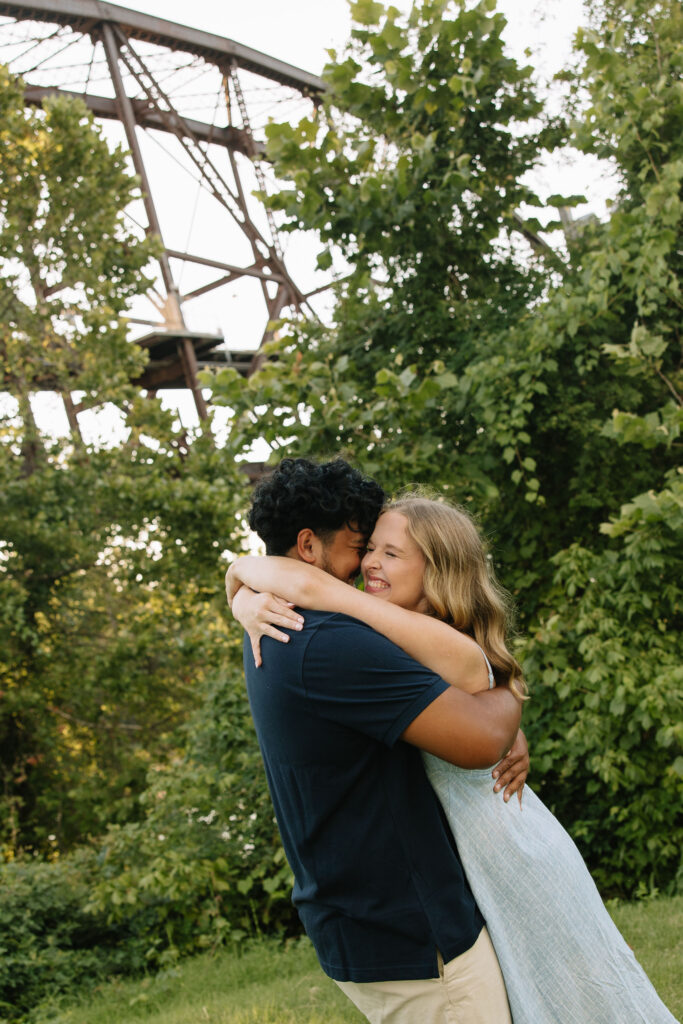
<point x="425" y="572"/>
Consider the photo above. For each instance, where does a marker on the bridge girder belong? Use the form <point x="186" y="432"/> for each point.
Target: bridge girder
<point x="151" y="106"/>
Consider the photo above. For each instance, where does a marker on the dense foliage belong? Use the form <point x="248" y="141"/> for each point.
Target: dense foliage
<point x="110" y="591"/>
<point x="124" y="726"/>
<point x="606" y="656"/>
<point x="203" y="867"/>
<point x="543" y="392"/>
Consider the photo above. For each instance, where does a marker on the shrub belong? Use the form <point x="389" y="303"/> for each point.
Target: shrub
<point x="205" y="867"/>
<point x="605" y="723"/>
<point x="49" y="942"/>
<point x="206" y="863"/>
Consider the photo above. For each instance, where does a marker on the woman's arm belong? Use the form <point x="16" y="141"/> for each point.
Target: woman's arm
<point x="437" y="646"/>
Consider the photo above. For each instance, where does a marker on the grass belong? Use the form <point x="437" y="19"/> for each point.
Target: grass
<point x="269" y="984"/>
<point x="263" y="984"/>
<point x="654" y="929"/>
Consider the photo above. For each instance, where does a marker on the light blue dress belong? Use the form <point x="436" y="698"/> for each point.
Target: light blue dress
<point x="562" y="957"/>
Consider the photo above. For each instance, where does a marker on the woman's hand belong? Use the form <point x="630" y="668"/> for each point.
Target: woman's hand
<point x="260" y="614"/>
<point x="512" y="771"/>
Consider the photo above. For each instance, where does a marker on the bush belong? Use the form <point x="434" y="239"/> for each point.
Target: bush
<point x="206" y="864"/>
<point x="205" y="867"/>
<point x="211" y="876"/>
<point x="49" y="942"/>
<point x="605" y="723"/>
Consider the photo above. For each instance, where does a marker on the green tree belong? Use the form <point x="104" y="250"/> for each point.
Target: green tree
<point x="607" y="654"/>
<point x="109" y="560"/>
<point x="413" y="168"/>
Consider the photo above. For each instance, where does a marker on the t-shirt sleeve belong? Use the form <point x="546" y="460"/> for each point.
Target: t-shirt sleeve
<point x="358" y="678"/>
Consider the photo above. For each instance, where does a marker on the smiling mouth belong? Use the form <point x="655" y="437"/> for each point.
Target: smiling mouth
<point x="376" y="585"/>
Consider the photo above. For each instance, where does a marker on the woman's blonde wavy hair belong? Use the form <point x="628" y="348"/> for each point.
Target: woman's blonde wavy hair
<point x="459" y="582"/>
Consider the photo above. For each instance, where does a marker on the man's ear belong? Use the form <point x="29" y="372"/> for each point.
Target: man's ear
<point x="308" y="546"/>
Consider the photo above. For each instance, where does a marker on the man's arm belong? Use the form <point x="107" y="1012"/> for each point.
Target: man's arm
<point x="469" y="730"/>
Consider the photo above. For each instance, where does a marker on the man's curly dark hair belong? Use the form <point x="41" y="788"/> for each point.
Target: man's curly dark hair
<point x="324" y="498"/>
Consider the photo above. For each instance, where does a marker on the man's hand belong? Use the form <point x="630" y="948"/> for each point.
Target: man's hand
<point x="512" y="771"/>
<point x="259" y="614"/>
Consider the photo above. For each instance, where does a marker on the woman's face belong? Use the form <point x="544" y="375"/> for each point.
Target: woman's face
<point x="393" y="566"/>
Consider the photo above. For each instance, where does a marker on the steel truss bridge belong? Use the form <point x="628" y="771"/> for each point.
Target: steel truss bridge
<point x="192" y="106"/>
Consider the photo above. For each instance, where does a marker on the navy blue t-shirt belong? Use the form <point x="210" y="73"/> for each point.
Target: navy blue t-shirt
<point x="378" y="885"/>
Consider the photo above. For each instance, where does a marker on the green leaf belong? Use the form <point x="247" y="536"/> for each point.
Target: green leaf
<point x="324" y="260"/>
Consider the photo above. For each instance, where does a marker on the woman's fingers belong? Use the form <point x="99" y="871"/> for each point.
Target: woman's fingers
<point x="261" y="615"/>
<point x="268" y="629"/>
<point x="256" y="648"/>
<point x="264" y="629"/>
<point x="286" y="621"/>
<point x="281" y="613"/>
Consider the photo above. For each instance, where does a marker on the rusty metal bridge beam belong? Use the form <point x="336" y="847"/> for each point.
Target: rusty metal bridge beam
<point x="234" y="202"/>
<point x="116" y="27"/>
<point x="255" y="270"/>
<point x="104" y="106"/>
<point x="127" y="115"/>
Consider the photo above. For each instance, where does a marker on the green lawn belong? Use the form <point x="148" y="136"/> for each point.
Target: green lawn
<point x="268" y="984"/>
<point x="655" y="932"/>
<point x="264" y="984"/>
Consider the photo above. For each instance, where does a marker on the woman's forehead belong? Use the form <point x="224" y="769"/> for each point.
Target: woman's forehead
<point x="392" y="528"/>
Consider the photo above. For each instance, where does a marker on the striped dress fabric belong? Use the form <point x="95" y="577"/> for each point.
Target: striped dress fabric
<point x="562" y="957"/>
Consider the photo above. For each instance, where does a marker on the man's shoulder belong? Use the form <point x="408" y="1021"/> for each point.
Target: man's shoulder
<point x="342" y="633"/>
<point x="333" y="619"/>
<point x="330" y="622"/>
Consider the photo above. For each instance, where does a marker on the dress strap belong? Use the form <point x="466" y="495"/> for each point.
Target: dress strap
<point x="492" y="681"/>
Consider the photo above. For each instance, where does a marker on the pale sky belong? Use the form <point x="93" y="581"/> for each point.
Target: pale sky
<point x="300" y="31"/>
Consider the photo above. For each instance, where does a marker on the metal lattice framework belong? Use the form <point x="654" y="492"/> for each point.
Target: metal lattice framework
<point x="202" y="102"/>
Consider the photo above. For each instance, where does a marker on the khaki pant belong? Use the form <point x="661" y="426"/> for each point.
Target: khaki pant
<point x="469" y="990"/>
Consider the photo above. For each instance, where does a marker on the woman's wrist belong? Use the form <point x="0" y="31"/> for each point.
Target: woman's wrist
<point x="232" y="585"/>
<point x="241" y="607"/>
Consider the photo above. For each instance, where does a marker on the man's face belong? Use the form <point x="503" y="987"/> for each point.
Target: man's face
<point x="341" y="555"/>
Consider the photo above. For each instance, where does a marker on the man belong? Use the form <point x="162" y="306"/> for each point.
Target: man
<point x="340" y="714"/>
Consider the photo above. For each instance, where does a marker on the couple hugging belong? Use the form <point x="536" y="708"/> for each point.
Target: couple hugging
<point x="430" y="896"/>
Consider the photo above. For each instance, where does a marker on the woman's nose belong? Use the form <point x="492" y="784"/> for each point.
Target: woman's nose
<point x="369" y="560"/>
